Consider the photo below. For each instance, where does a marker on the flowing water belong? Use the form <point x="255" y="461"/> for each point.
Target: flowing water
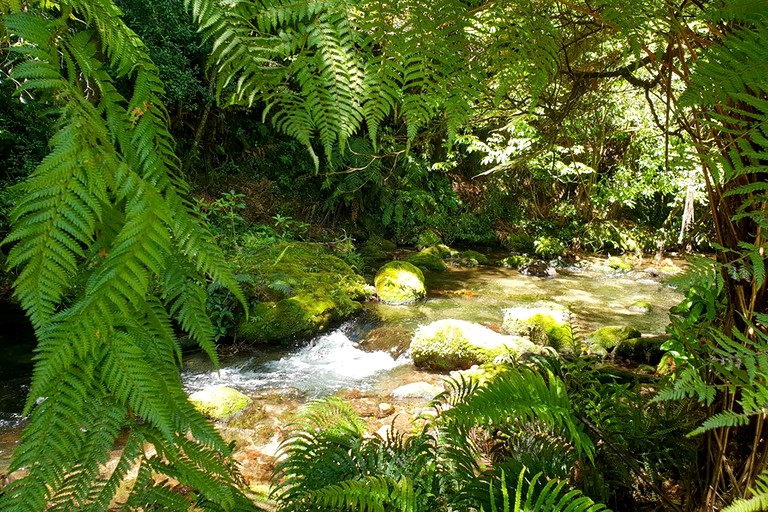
<point x="372" y="348"/>
<point x="363" y="352"/>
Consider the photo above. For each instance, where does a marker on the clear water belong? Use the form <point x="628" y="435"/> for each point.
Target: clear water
<point x="326" y="364"/>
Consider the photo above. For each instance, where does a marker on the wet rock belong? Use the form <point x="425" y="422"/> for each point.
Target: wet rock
<point x="515" y="261"/>
<point x="641" y="349"/>
<point x="641" y="306"/>
<point x="545" y="323"/>
<point x="417" y="390"/>
<point x="605" y="339"/>
<point x="479" y="257"/>
<point x="538" y="268"/>
<point x="300" y="289"/>
<point x="219" y="402"/>
<point x="427" y="261"/>
<point x="385" y="409"/>
<point x="652" y="272"/>
<point x="400" y="282"/>
<point x="617" y="263"/>
<point x="456" y="344"/>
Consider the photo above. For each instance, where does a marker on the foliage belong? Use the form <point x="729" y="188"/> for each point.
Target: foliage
<point x="331" y="463"/>
<point x="548" y="247"/>
<point x="109" y="256"/>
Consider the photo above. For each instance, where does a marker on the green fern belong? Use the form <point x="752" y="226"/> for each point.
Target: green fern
<point x="109" y="255"/>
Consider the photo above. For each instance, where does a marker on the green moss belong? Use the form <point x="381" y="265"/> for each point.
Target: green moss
<point x="609" y="337"/>
<point x="515" y="261"/>
<point x="299" y="289"/>
<point x="617" y="263"/>
<point x="300" y="315"/>
<point x="219" y="402"/>
<point x="481" y="258"/>
<point x="545" y="323"/>
<point x="428" y="238"/>
<point x="400" y="282"/>
<point x="642" y="350"/>
<point x="441" y="250"/>
<point x="641" y="306"/>
<point x="457" y="344"/>
<point x="427" y="261"/>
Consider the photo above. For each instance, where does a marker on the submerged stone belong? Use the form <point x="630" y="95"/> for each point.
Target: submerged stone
<point x="641" y="306"/>
<point x="219" y="402"/>
<point x="545" y="323"/>
<point x="457" y="344"/>
<point x="400" y="282"/>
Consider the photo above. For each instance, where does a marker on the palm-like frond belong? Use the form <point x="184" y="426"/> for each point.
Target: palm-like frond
<point x="108" y="256"/>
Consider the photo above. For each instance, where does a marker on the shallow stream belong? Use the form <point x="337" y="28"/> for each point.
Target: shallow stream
<point x="370" y="351"/>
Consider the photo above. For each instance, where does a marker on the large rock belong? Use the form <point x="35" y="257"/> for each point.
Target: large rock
<point x="545" y="323"/>
<point x="219" y="402"/>
<point x="604" y="340"/>
<point x="458" y="344"/>
<point x="427" y="261"/>
<point x="400" y="282"/>
<point x="300" y="289"/>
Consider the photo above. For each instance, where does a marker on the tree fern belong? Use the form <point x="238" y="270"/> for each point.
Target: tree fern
<point x="108" y="256"/>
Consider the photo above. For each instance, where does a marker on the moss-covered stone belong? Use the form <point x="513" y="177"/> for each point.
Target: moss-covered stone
<point x="377" y="248"/>
<point x="481" y="258"/>
<point x="458" y="344"/>
<point x="641" y="350"/>
<point x="219" y="402"/>
<point x="617" y="263"/>
<point x="400" y="282"/>
<point x="427" y="261"/>
<point x="545" y="323"/>
<point x="607" y="338"/>
<point x="441" y="250"/>
<point x="515" y="261"/>
<point x="298" y="289"/>
<point x="641" y="306"/>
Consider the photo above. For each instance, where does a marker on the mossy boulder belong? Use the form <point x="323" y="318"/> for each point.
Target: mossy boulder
<point x="219" y="402"/>
<point x="641" y="306"/>
<point x="605" y="339"/>
<point x="641" y="350"/>
<point x="441" y="250"/>
<point x="545" y="323"/>
<point x="427" y="261"/>
<point x="457" y="344"/>
<point x="617" y="263"/>
<point x="400" y="282"/>
<point x="299" y="289"/>
<point x="515" y="261"/>
<point x="481" y="258"/>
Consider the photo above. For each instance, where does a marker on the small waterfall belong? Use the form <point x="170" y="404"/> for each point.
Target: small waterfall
<point x="328" y="363"/>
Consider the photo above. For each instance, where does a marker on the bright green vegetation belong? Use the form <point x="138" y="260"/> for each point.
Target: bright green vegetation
<point x="296" y="289"/>
<point x="543" y="126"/>
<point x="427" y="261"/>
<point x="609" y="337"/>
<point x="457" y="344"/>
<point x="219" y="402"/>
<point x="546" y="324"/>
<point x="400" y="282"/>
<point x="487" y="439"/>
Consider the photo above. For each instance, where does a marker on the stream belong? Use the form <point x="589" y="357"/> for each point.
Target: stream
<point x="371" y="349"/>
<point x="369" y="352"/>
